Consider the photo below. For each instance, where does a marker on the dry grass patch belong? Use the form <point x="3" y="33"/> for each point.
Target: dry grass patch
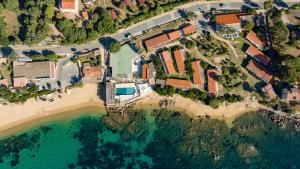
<point x="12" y="23"/>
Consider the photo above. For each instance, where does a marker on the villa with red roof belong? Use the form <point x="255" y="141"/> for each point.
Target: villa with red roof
<point x="228" y="21"/>
<point x="69" y="6"/>
<point x="179" y="57"/>
<point x="258" y="55"/>
<point x="255" y="40"/>
<point x="259" y="71"/>
<point x="212" y="86"/>
<point x="168" y="63"/>
<point x="198" y="77"/>
<point x="178" y="83"/>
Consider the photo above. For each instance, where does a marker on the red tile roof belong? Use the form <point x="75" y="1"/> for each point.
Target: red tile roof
<point x="156" y="41"/>
<point x="168" y="61"/>
<point x="179" y="57"/>
<point x="113" y="14"/>
<point x="141" y="2"/>
<point x="145" y="71"/>
<point x="89" y="71"/>
<point x="189" y="29"/>
<point x="257" y="41"/>
<point x="85" y="14"/>
<point x="198" y="78"/>
<point x="128" y="3"/>
<point x="225" y="19"/>
<point x="178" y="83"/>
<point x="174" y="35"/>
<point x="4" y="82"/>
<point x="68" y="4"/>
<point x="212" y="82"/>
<point x="270" y="91"/>
<point x="258" y="55"/>
<point x="259" y="70"/>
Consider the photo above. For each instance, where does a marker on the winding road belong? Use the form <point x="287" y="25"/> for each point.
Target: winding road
<point x="137" y="29"/>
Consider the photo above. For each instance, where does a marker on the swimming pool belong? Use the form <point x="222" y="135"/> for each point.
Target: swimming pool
<point x="125" y="91"/>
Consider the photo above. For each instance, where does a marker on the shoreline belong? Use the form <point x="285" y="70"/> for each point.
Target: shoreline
<point x="19" y="117"/>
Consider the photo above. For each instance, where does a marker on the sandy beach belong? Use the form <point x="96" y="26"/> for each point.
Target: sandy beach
<point x="195" y="109"/>
<point x="13" y="115"/>
<point x="18" y="115"/>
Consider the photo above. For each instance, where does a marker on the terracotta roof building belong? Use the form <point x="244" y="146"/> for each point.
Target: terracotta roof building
<point x="113" y="14"/>
<point x="270" y="91"/>
<point x="174" y="35"/>
<point x="258" y="55"/>
<point x="69" y="6"/>
<point x="141" y="2"/>
<point x="292" y="95"/>
<point x="228" y="21"/>
<point x="212" y="86"/>
<point x="156" y="41"/>
<point x="178" y="83"/>
<point x="198" y="78"/>
<point x="128" y="3"/>
<point x="225" y="19"/>
<point x="145" y="71"/>
<point x="85" y="15"/>
<point x="168" y="63"/>
<point x="261" y="72"/>
<point x="189" y="29"/>
<point x="179" y="57"/>
<point x="255" y="40"/>
<point x="4" y="82"/>
<point x="89" y="71"/>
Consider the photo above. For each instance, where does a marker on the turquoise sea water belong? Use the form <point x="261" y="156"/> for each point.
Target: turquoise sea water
<point x="57" y="148"/>
<point x="158" y="139"/>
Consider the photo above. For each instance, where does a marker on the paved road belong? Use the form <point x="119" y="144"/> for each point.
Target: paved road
<point x="147" y="24"/>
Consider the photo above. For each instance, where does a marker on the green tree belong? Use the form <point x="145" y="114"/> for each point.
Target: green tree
<point x="268" y="4"/>
<point x="115" y="46"/>
<point x="247" y="26"/>
<point x="106" y="24"/>
<point x="190" y="44"/>
<point x="11" y="4"/>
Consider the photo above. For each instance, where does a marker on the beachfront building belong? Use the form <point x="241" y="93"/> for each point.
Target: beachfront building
<point x="119" y="94"/>
<point x="256" y="40"/>
<point x="212" y="84"/>
<point x="258" y="55"/>
<point x="198" y="74"/>
<point x="259" y="71"/>
<point x="178" y="83"/>
<point x="91" y="74"/>
<point x="125" y="64"/>
<point x="148" y="73"/>
<point x="25" y="72"/>
<point x="69" y="6"/>
<point x="231" y="21"/>
<point x="167" y="62"/>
